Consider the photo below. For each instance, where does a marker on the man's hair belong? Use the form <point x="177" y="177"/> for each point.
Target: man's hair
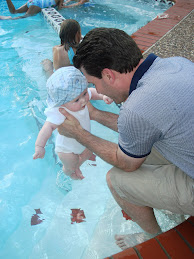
<point x="107" y="48"/>
<point x="68" y="31"/>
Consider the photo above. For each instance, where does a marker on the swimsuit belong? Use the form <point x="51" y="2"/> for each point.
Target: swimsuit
<point x="41" y="3"/>
<point x="71" y="55"/>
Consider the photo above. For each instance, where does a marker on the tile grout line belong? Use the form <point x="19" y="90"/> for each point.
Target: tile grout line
<point x="184" y="240"/>
<point x="166" y="253"/>
<point x="137" y="252"/>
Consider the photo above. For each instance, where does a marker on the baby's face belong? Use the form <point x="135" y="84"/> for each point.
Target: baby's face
<point x="79" y="102"/>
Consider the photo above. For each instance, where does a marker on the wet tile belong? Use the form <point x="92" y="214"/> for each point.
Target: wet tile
<point x="151" y="250"/>
<point x="174" y="245"/>
<point x="191" y="219"/>
<point x="126" y="254"/>
<point x="186" y="229"/>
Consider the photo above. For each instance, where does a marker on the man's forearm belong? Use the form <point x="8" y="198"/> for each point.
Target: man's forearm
<point x="102" y="148"/>
<point x="107" y="119"/>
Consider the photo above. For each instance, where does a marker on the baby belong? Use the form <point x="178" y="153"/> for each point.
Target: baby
<point x="67" y="88"/>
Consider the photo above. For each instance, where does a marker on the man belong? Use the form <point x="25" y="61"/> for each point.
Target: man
<point x="154" y="159"/>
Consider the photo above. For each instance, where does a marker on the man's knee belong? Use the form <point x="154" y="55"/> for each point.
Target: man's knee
<point x="113" y="178"/>
<point x="108" y="179"/>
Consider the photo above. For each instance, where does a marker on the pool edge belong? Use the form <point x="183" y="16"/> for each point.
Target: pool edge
<point x="176" y="243"/>
<point x="156" y="29"/>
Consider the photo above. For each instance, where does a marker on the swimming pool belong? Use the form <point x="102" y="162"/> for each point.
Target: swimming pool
<point x="27" y="185"/>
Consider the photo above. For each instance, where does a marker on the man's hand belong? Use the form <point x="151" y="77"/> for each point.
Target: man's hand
<point x="70" y="127"/>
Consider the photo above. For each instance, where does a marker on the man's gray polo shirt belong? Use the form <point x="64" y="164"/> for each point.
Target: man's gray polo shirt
<point x="159" y="112"/>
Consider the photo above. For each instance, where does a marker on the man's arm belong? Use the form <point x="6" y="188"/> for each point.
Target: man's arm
<point x="107" y="119"/>
<point x="108" y="151"/>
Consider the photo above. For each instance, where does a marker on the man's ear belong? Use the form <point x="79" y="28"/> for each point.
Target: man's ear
<point x="108" y="75"/>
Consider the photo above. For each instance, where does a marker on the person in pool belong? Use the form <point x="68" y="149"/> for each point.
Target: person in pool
<point x="78" y="2"/>
<point x="67" y="89"/>
<point x="30" y="8"/>
<point x="70" y="36"/>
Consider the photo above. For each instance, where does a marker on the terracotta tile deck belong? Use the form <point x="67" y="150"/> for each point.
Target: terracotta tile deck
<point x="156" y="29"/>
<point x="177" y="243"/>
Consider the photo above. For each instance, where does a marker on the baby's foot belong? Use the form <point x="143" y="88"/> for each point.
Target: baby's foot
<point x="92" y="158"/>
<point x="77" y="175"/>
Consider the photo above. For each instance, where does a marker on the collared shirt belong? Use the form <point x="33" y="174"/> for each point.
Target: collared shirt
<point x="159" y="112"/>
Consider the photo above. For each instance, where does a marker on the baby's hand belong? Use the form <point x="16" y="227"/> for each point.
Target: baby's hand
<point x="107" y="99"/>
<point x="39" y="152"/>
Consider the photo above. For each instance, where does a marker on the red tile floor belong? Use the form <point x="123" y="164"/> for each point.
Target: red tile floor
<point x="177" y="243"/>
<point x="154" y="30"/>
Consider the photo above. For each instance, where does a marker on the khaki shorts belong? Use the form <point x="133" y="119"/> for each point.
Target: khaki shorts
<point x="157" y="184"/>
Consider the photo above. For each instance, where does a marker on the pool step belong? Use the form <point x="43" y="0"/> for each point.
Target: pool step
<point x="177" y="243"/>
<point x="53" y="17"/>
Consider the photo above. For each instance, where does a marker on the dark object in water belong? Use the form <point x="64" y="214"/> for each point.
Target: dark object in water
<point x="35" y="219"/>
<point x="77" y="216"/>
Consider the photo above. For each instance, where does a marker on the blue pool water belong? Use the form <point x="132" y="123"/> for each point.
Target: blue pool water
<point x="26" y="185"/>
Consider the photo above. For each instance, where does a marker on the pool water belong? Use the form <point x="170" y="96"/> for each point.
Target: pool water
<point x="27" y="185"/>
<point x="125" y="15"/>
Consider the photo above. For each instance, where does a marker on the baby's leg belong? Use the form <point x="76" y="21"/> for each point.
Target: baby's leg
<point x="70" y="162"/>
<point x="71" y="165"/>
<point x="85" y="155"/>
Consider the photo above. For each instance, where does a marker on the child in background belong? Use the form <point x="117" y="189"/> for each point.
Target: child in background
<point x="67" y="88"/>
<point x="70" y="36"/>
<point x="30" y="8"/>
<point x="77" y="3"/>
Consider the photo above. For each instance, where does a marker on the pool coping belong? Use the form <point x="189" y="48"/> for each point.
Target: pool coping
<point x="155" y="30"/>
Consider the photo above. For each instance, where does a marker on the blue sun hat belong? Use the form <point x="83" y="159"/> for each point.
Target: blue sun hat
<point x="64" y="85"/>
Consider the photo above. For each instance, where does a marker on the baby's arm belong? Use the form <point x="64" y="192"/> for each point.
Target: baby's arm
<point x="96" y="96"/>
<point x="42" y="138"/>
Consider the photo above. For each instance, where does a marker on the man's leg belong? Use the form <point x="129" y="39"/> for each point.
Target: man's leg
<point x="156" y="184"/>
<point x="143" y="216"/>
